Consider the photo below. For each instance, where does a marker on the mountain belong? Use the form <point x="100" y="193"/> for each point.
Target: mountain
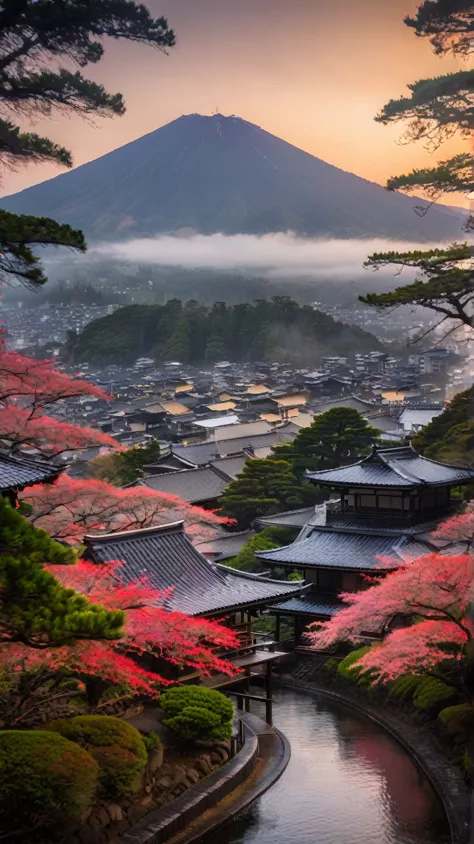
<point x="223" y="174"/>
<point x="273" y="329"/>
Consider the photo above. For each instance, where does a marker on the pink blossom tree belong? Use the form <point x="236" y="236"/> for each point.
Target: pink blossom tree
<point x="69" y="508"/>
<point x="432" y="595"/>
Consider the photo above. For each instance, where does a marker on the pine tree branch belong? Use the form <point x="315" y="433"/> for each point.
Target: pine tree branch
<point x="18" y="233"/>
<point x="16" y="145"/>
<point x="47" y="91"/>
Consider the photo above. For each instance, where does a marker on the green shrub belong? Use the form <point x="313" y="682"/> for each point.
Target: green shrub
<point x="346" y="667"/>
<point x="457" y="719"/>
<point x="151" y="741"/>
<point x="331" y="666"/>
<point x="432" y="694"/>
<point x="404" y="686"/>
<point x="198" y="713"/>
<point x="117" y="747"/>
<point x="43" y="779"/>
<point x="294" y="576"/>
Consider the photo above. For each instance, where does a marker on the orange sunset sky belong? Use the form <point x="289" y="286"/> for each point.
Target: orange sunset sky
<point x="314" y="72"/>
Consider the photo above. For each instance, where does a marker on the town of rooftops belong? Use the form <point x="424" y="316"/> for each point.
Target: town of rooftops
<point x="217" y="416"/>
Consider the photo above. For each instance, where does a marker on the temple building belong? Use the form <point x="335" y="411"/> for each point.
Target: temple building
<point x="388" y="504"/>
<point x="169" y="561"/>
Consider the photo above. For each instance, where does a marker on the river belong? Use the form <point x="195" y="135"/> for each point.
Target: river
<point x="348" y="782"/>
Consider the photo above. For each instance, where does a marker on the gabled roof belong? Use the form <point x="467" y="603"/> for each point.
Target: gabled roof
<point x="166" y="557"/>
<point x="199" y="454"/>
<point x="394" y="468"/>
<point x="237" y="445"/>
<point x="230" y="466"/>
<point x="18" y="472"/>
<point x="192" y="485"/>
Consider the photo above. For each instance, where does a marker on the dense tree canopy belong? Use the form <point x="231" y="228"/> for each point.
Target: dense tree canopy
<point x="435" y="110"/>
<point x="264" y="486"/>
<point x="334" y="438"/>
<point x="450" y="436"/>
<point x="274" y="329"/>
<point x="41" y="44"/>
<point x="125" y="466"/>
<point x="34" y="608"/>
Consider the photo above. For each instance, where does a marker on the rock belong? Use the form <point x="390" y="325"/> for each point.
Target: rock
<point x="72" y="839"/>
<point x="180" y="789"/>
<point x="114" y="812"/>
<point x="103" y="816"/>
<point x="164" y="783"/>
<point x="222" y="753"/>
<point x="89" y="835"/>
<point x="216" y="759"/>
<point x="203" y="765"/>
<point x="192" y="774"/>
<point x="179" y="774"/>
<point x="155" y="759"/>
<point x="122" y="826"/>
<point x="148" y="802"/>
<point x="136" y="813"/>
<point x="166" y="770"/>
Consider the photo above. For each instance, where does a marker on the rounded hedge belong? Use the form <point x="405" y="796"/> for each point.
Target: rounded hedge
<point x="117" y="747"/>
<point x="44" y="778"/>
<point x="432" y="694"/>
<point x="459" y="719"/>
<point x="404" y="686"/>
<point x="198" y="713"/>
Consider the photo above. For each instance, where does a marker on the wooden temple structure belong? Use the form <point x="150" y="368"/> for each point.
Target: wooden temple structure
<point x="388" y="504"/>
<point x="203" y="589"/>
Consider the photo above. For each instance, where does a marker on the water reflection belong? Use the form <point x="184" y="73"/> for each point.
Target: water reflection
<point x="347" y="782"/>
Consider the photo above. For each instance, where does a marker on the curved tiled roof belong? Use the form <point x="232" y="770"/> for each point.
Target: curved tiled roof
<point x="342" y="550"/>
<point x="166" y="557"/>
<point x="401" y="468"/>
<point x="18" y="472"/>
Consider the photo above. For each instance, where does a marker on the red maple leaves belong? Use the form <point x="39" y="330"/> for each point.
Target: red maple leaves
<point x="431" y="595"/>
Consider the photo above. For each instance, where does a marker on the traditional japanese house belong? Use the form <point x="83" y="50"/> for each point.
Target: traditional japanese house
<point x="389" y="503"/>
<point x="200" y="588"/>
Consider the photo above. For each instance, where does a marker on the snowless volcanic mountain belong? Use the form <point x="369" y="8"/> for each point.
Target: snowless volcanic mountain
<point x="223" y="174"/>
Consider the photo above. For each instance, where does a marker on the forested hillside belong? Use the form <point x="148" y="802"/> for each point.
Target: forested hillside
<point x="277" y="329"/>
<point x="450" y="436"/>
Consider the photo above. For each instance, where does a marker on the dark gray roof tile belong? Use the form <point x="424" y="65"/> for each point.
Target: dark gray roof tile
<point x="341" y="550"/>
<point x="192" y="485"/>
<point x="311" y="604"/>
<point x="18" y="472"/>
<point x="166" y="557"/>
<point x="399" y="468"/>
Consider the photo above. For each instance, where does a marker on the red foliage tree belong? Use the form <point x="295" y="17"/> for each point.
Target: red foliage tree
<point x="149" y="630"/>
<point x="432" y="594"/>
<point x="70" y="508"/>
<point x="27" y="387"/>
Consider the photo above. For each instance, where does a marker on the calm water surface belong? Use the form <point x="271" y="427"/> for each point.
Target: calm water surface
<point x="347" y="782"/>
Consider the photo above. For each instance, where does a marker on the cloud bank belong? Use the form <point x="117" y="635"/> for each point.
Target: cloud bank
<point x="269" y="254"/>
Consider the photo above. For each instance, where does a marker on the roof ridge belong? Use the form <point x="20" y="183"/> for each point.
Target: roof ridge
<point x="176" y="527"/>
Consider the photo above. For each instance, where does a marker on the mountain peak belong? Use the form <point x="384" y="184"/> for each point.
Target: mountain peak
<point x="220" y="173"/>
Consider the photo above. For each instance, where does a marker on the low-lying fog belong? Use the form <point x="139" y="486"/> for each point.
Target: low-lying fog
<point x="270" y="254"/>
